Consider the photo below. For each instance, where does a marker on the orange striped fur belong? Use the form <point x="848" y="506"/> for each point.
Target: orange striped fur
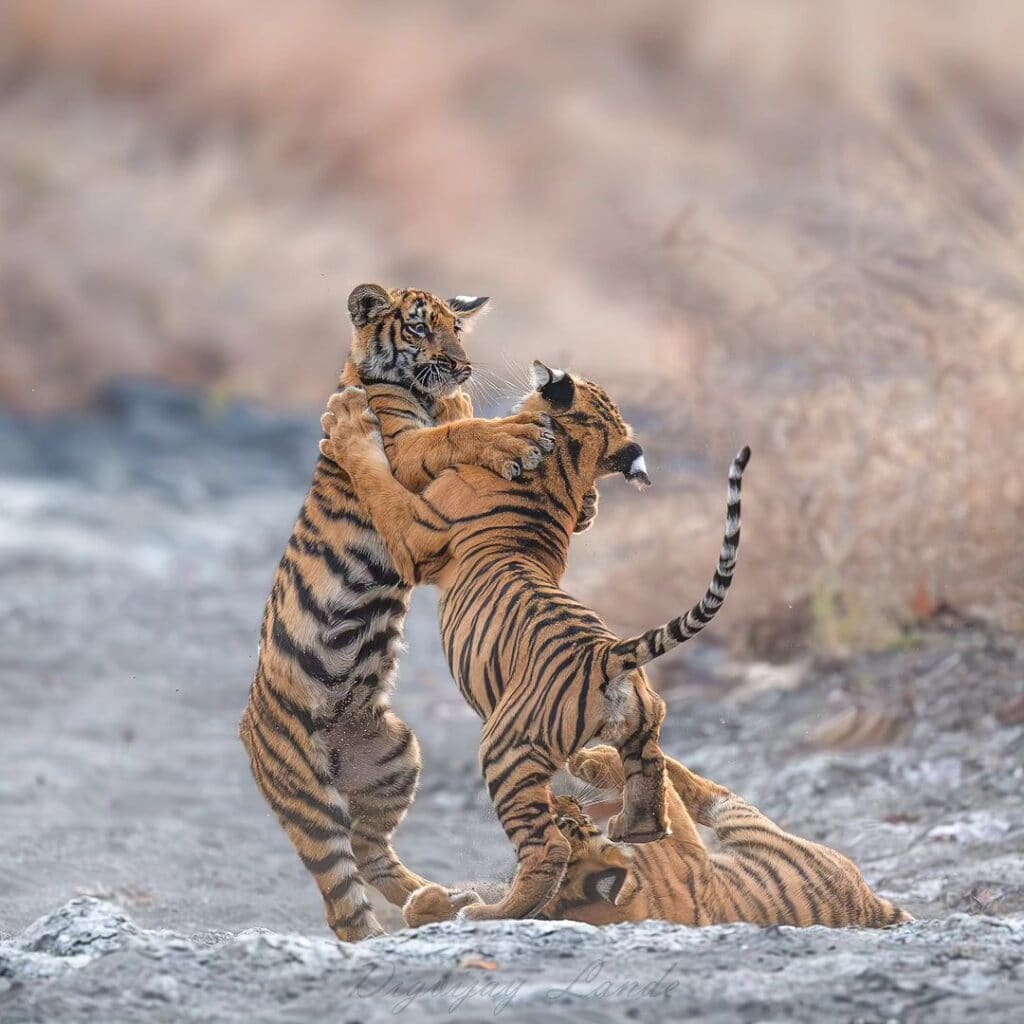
<point x="542" y="670"/>
<point x="761" y="875"/>
<point x="335" y="764"/>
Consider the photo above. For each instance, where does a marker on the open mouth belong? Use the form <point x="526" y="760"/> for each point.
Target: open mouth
<point x="637" y="473"/>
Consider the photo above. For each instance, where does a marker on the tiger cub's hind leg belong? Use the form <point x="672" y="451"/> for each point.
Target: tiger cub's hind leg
<point x="701" y="796"/>
<point x="634" y="714"/>
<point x="787" y="879"/>
<point x="389" y="756"/>
<point x="519" y="782"/>
<point x="313" y="814"/>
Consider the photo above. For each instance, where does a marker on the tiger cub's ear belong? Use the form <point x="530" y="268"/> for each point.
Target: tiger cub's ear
<point x="605" y="885"/>
<point x="368" y="302"/>
<point x="555" y="386"/>
<point x="465" y="306"/>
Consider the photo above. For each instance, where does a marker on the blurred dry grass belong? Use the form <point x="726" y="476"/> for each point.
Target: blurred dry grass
<point x="791" y="224"/>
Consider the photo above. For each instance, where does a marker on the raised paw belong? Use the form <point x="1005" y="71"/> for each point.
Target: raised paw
<point x="588" y="511"/>
<point x="450" y="408"/>
<point x="510" y="457"/>
<point x="532" y="419"/>
<point x="600" y="766"/>
<point x="534" y="427"/>
<point x="516" y="448"/>
<point x="348" y="420"/>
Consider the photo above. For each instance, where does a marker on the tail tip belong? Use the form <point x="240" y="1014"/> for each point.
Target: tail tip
<point x="742" y="457"/>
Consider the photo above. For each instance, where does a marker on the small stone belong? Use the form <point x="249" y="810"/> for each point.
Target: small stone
<point x="162" y="986"/>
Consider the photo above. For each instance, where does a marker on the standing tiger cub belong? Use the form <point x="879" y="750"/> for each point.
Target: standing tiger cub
<point x="336" y="765"/>
<point x="542" y="669"/>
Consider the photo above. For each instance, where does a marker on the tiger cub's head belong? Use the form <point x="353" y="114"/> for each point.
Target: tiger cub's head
<point x="411" y="338"/>
<point x="599" y="441"/>
<point x="599" y="875"/>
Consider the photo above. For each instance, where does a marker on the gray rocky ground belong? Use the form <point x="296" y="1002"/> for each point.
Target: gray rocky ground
<point x="87" y="960"/>
<point x="137" y="545"/>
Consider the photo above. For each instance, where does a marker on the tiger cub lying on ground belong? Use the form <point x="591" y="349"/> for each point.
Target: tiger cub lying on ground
<point x="541" y="669"/>
<point x="762" y="875"/>
<point x="336" y="765"/>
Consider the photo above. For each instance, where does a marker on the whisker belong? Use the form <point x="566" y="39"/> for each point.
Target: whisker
<point x="584" y="793"/>
<point x="475" y="391"/>
<point x="521" y="374"/>
<point x="486" y="388"/>
<point x="514" y="385"/>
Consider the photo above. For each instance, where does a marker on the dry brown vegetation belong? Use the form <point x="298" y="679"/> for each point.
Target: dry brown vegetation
<point x="793" y="225"/>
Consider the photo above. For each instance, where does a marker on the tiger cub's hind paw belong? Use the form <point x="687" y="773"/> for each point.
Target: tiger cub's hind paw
<point x="433" y="903"/>
<point x="637" y="829"/>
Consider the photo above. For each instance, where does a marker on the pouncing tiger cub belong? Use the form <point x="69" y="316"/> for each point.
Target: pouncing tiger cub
<point x="336" y="765"/>
<point x="762" y="874"/>
<point x="542" y="669"/>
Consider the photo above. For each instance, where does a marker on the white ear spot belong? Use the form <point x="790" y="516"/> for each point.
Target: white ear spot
<point x="638" y="466"/>
<point x="466" y="300"/>
<point x="557" y="375"/>
<point x="604" y="887"/>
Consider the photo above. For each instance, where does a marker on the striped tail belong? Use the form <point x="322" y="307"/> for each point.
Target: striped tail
<point x="630" y="654"/>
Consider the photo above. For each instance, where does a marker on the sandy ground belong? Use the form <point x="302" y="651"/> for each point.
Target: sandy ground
<point x="137" y="545"/>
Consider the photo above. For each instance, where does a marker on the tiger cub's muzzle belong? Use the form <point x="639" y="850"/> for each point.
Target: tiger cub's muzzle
<point x="631" y="464"/>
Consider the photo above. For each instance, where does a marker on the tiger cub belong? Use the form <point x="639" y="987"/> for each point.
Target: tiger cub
<point x="336" y="765"/>
<point x="542" y="670"/>
<point x="762" y="875"/>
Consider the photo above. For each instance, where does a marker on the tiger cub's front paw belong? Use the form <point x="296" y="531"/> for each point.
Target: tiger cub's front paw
<point x="588" y="512"/>
<point x="518" y="444"/>
<point x="348" y="422"/>
<point x="450" y="408"/>
<point x="601" y="766"/>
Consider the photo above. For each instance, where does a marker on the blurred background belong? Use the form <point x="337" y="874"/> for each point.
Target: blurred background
<point x="796" y="226"/>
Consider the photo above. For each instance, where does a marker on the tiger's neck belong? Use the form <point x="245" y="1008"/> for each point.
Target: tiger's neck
<point x="565" y="475"/>
<point x="353" y="376"/>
